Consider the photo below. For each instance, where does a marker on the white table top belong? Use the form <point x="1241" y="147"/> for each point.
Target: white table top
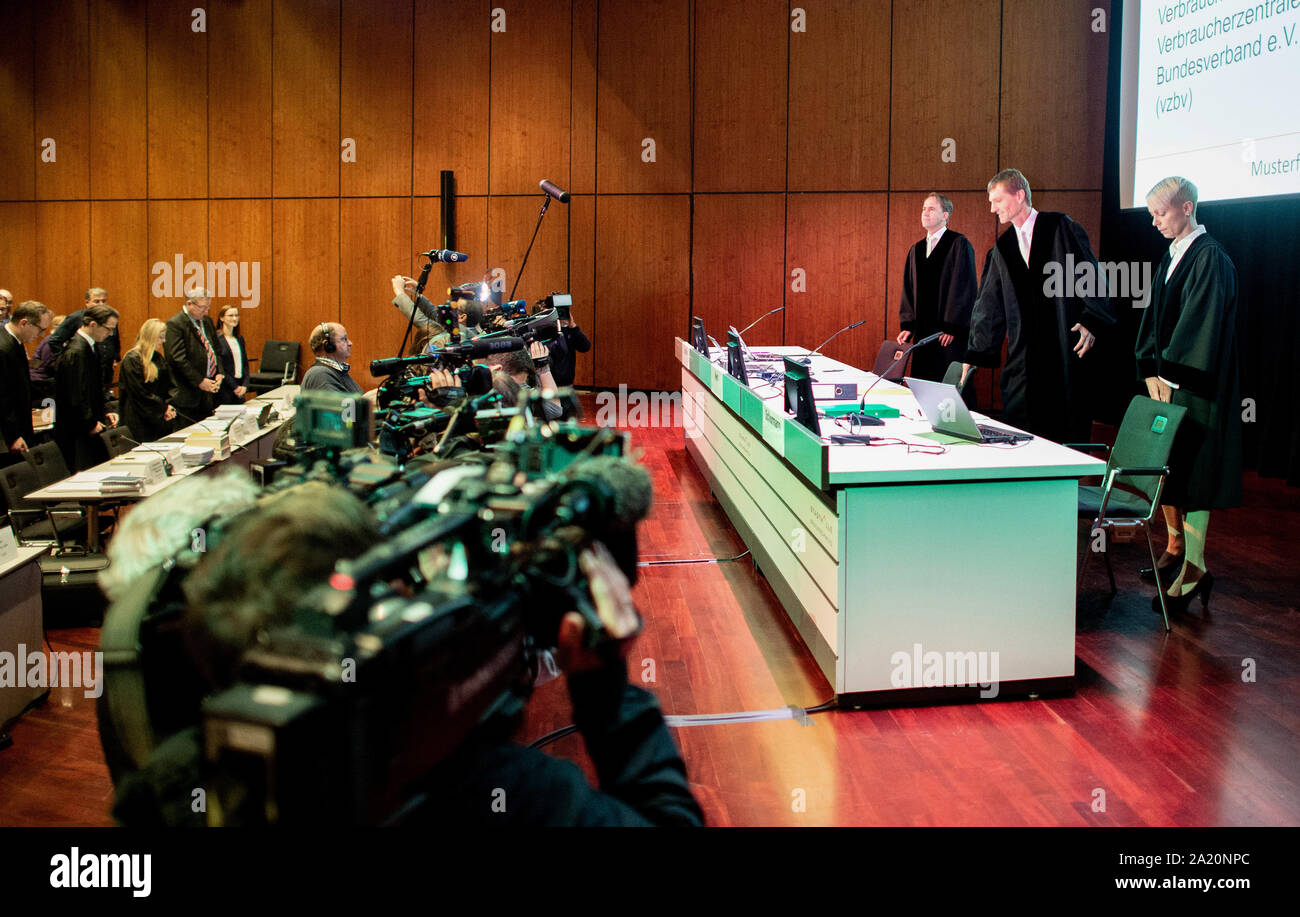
<point x="897" y="463"/>
<point x="25" y="555"/>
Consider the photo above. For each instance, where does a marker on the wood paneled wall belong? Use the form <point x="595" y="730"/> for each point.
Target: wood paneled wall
<point x="716" y="150"/>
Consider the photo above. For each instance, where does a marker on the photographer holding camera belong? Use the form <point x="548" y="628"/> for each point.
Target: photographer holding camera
<point x="272" y="561"/>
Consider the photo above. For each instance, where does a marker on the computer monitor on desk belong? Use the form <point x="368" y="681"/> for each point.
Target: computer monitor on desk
<point x="699" y="340"/>
<point x="736" y="358"/>
<point x="799" y="396"/>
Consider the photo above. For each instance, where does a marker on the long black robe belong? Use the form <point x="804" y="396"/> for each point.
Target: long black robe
<point x="1042" y="388"/>
<point x="143" y="404"/>
<point x="79" y="405"/>
<point x="1188" y="336"/>
<point x="946" y="309"/>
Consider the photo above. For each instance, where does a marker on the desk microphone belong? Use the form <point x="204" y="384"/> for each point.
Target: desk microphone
<point x="870" y="420"/>
<point x="808" y="359"/>
<point x="742" y="331"/>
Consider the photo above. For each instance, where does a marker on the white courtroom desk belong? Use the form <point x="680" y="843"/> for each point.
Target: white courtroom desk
<point x="911" y="577"/>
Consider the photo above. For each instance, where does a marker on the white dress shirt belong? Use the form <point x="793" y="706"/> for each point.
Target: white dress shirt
<point x="1025" y="234"/>
<point x="933" y="240"/>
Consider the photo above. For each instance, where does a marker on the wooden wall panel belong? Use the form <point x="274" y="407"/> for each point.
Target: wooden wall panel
<point x="641" y="283"/>
<point x="738" y="264"/>
<point x="305" y="135"/>
<point x="119" y="136"/>
<point x="376" y="97"/>
<point x="471" y="236"/>
<point x="530" y="97"/>
<point x="582" y="119"/>
<point x="510" y="225"/>
<point x="374" y="232"/>
<point x="839" y="113"/>
<point x="17" y="104"/>
<point x="176" y="228"/>
<point x="644" y="91"/>
<point x="239" y="97"/>
<point x="240" y="231"/>
<point x="63" y="99"/>
<point x="582" y="279"/>
<point x="740" y="94"/>
<point x="945" y="79"/>
<point x="305" y="281"/>
<point x="452" y="57"/>
<point x="837" y="240"/>
<point x="62" y="254"/>
<point x="119" y="263"/>
<point x="177" y="103"/>
<point x="1054" y="73"/>
<point x="18" y="253"/>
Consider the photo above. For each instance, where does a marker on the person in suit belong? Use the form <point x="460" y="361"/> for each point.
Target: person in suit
<point x="233" y="354"/>
<point x="189" y="345"/>
<point x="938" y="291"/>
<point x="26" y="323"/>
<point x="1187" y="354"/>
<point x="79" y="413"/>
<point x="145" y="385"/>
<point x="1042" y="385"/>
<point x="108" y="351"/>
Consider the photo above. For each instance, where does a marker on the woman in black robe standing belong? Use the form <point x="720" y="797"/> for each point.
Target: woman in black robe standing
<point x="1187" y="354"/>
<point x="144" y="385"/>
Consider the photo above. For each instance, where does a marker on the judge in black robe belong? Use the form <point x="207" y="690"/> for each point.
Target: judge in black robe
<point x="144" y="404"/>
<point x="938" y="293"/>
<point x="1187" y="354"/>
<point x="79" y="413"/>
<point x="1042" y="387"/>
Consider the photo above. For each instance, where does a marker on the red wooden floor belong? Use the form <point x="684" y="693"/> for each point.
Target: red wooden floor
<point x="1162" y="730"/>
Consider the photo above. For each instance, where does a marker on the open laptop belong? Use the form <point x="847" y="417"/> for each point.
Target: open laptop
<point x="947" y="413"/>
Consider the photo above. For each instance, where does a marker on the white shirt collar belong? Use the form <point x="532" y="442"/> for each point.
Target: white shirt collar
<point x="89" y="340"/>
<point x="1179" y="246"/>
<point x="1027" y="227"/>
<point x="933" y="239"/>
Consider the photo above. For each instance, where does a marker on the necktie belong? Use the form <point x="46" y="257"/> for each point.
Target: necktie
<point x="212" y="357"/>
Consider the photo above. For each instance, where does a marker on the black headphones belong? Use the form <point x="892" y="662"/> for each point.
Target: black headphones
<point x="328" y="344"/>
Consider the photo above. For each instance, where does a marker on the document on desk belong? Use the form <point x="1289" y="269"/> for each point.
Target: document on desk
<point x="82" y="480"/>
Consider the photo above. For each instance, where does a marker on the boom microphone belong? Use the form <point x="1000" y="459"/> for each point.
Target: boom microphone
<point x="554" y="191"/>
<point x="444" y="255"/>
<point x="471" y="350"/>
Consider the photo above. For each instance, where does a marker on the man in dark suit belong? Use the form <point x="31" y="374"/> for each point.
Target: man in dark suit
<point x="79" y="415"/>
<point x="190" y="346"/>
<point x="26" y="323"/>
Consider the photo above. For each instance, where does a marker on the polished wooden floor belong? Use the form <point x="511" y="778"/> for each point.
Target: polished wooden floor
<point x="1162" y="730"/>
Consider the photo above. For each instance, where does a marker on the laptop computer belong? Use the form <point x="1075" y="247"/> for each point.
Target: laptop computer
<point x="947" y="413"/>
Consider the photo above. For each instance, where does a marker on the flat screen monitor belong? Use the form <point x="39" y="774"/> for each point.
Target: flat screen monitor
<point x="736" y="358"/>
<point x="699" y="340"/>
<point x="799" y="396"/>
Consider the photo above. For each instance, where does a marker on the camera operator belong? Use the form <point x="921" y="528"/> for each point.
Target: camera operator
<point x="531" y="369"/>
<point x="565" y="348"/>
<point x="272" y="556"/>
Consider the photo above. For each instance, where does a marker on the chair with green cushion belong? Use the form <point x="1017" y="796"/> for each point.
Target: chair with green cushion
<point x="953" y="377"/>
<point x="1136" y="469"/>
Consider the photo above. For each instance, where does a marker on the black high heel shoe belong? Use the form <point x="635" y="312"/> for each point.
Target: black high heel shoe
<point x="1167" y="561"/>
<point x="1177" y="604"/>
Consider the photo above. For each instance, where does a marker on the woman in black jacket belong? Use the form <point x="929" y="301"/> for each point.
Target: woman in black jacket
<point x="143" y="385"/>
<point x="233" y="354"/>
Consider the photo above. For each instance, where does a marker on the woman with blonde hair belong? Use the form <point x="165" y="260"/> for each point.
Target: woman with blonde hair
<point x="144" y="384"/>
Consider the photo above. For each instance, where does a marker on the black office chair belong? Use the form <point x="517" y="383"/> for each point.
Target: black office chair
<point x="36" y="523"/>
<point x="277" y="366"/>
<point x="890" y="351"/>
<point x="1136" y="469"/>
<point x="117" y="440"/>
<point x="47" y="459"/>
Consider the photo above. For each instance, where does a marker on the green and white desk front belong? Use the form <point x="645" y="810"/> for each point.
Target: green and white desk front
<point x="911" y="577"/>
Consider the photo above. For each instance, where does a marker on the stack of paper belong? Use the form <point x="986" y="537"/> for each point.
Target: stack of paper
<point x="217" y="443"/>
<point x="121" y="484"/>
<point x="148" y="466"/>
<point x="196" y="455"/>
<point x="171" y="452"/>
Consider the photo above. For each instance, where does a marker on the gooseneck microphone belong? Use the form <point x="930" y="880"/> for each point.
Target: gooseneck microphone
<point x="808" y="359"/>
<point x="760" y="318"/>
<point x="862" y="417"/>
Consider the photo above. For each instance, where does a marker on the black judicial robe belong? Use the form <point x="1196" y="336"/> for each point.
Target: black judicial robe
<point x="79" y="405"/>
<point x="15" y="391"/>
<point x="1188" y="336"/>
<point x="143" y="404"/>
<point x="938" y="293"/>
<point x="1042" y="389"/>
